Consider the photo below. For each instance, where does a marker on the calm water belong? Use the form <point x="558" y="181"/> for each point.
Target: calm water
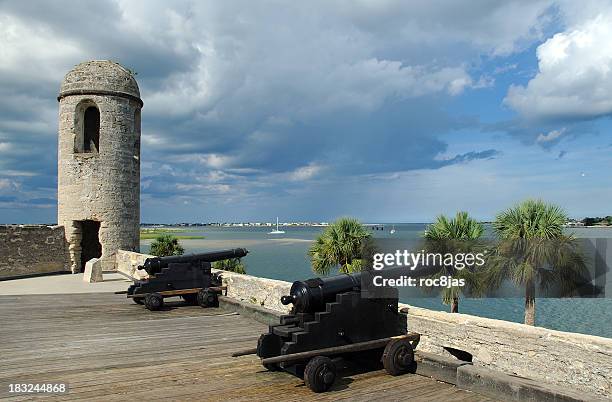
<point x="285" y="257"/>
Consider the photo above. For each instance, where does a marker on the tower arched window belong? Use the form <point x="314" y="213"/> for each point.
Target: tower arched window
<point x="91" y="129"/>
<point x="137" y="133"/>
<point x="87" y="128"/>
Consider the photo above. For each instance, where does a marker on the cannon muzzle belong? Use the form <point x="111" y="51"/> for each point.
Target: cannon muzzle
<point x="286" y="300"/>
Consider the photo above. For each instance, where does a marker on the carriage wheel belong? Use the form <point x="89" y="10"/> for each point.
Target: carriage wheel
<point x="207" y="298"/>
<point x="320" y="374"/>
<point x="154" y="301"/>
<point x="398" y="357"/>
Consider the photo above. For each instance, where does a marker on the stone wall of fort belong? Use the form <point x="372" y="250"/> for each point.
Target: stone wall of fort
<point x="32" y="249"/>
<point x="127" y="263"/>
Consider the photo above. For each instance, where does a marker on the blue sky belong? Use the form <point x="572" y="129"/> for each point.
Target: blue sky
<point x="385" y="110"/>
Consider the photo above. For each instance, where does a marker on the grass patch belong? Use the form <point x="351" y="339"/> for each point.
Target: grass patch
<point x="151" y="234"/>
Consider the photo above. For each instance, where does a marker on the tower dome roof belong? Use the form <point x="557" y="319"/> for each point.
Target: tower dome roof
<point x="102" y="77"/>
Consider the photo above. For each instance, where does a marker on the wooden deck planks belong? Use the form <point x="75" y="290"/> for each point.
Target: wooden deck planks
<point x="108" y="348"/>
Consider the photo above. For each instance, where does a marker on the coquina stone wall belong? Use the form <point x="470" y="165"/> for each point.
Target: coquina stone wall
<point x="576" y="361"/>
<point x="255" y="290"/>
<point x="580" y="362"/>
<point x="127" y="263"/>
<point x="32" y="249"/>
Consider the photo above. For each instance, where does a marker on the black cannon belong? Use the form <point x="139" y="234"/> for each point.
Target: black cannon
<point x="188" y="276"/>
<point x="331" y="321"/>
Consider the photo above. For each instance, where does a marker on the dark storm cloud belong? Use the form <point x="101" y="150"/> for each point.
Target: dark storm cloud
<point x="255" y="98"/>
<point x="470" y="156"/>
<point x="102" y="31"/>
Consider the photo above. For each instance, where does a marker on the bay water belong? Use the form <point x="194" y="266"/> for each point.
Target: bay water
<point x="285" y="257"/>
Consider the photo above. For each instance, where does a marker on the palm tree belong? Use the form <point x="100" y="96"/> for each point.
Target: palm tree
<point x="340" y="245"/>
<point x="534" y="250"/>
<point x="165" y="245"/>
<point x="453" y="235"/>
<point x="231" y="265"/>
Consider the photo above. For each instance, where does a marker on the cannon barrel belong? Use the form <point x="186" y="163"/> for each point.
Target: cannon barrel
<point x="155" y="264"/>
<point x="311" y="295"/>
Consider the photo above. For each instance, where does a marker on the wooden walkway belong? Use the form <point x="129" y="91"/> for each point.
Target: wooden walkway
<point x="108" y="349"/>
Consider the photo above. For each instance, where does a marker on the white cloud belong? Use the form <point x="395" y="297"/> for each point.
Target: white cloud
<point x="550" y="136"/>
<point x="305" y="172"/>
<point x="574" y="80"/>
<point x="216" y="161"/>
<point x="7" y="184"/>
<point x="32" y="51"/>
<point x="498" y="28"/>
<point x="305" y="60"/>
<point x="16" y="173"/>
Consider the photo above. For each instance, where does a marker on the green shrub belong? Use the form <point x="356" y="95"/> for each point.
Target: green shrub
<point x="232" y="265"/>
<point x="165" y="245"/>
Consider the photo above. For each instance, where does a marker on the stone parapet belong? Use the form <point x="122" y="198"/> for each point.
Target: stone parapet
<point x="255" y="290"/>
<point x="127" y="263"/>
<point x="567" y="359"/>
<point x="27" y="250"/>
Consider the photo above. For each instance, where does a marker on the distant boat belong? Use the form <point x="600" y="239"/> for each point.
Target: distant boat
<point x="392" y="230"/>
<point x="277" y="231"/>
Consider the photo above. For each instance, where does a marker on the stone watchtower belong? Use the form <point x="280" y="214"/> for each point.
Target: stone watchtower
<point x="99" y="162"/>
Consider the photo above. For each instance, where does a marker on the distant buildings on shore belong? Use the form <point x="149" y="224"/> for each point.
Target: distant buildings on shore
<point x="585" y="222"/>
<point x="233" y="224"/>
<point x="573" y="223"/>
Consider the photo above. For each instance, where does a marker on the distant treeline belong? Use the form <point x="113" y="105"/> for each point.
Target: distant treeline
<point x="597" y="221"/>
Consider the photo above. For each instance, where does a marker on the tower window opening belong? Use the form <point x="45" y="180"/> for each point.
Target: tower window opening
<point x="91" y="129"/>
<point x="137" y="133"/>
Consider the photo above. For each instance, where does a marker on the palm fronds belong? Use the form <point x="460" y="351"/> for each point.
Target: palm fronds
<point x="534" y="250"/>
<point x="165" y="245"/>
<point x="461" y="227"/>
<point x="232" y="265"/>
<point x="340" y="245"/>
<point x="455" y="235"/>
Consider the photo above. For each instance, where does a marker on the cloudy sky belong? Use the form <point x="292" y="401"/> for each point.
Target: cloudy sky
<point x="385" y="110"/>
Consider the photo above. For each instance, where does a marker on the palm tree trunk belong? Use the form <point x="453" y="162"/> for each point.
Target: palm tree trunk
<point x="455" y="305"/>
<point x="530" y="303"/>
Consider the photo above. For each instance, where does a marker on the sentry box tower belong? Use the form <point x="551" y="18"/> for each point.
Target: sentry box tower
<point x="99" y="162"/>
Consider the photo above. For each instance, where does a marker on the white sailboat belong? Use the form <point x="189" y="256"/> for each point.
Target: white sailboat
<point x="392" y="230"/>
<point x="277" y="231"/>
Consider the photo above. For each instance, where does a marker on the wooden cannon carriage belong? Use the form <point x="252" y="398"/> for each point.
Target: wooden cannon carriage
<point x="187" y="276"/>
<point x="331" y="321"/>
